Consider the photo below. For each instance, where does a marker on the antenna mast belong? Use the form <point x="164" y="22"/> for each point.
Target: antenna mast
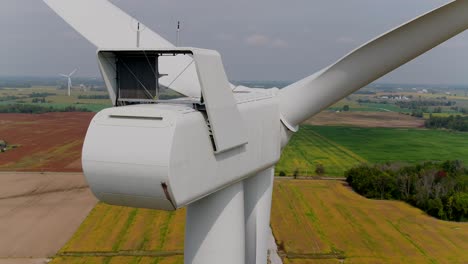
<point x="178" y="33"/>
<point x="138" y="35"/>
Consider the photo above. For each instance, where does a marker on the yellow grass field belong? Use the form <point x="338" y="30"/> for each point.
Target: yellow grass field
<point x="113" y="234"/>
<point x="314" y="221"/>
<point x="119" y="260"/>
<point x="320" y="219"/>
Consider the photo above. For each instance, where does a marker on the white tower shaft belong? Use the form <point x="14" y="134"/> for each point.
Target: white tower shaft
<point x="215" y="230"/>
<point x="69" y="85"/>
<point x="257" y="195"/>
<point x="232" y="225"/>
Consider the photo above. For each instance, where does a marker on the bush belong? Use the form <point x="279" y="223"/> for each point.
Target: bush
<point x="296" y="173"/>
<point x="3" y="145"/>
<point x="36" y="100"/>
<point x="320" y="169"/>
<point x="418" y="113"/>
<point x="459" y="206"/>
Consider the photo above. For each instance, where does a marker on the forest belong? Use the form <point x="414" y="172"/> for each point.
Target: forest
<point x="458" y="123"/>
<point x="439" y="189"/>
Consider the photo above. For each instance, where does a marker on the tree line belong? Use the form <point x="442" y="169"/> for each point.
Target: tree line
<point x="36" y="109"/>
<point x="14" y="85"/>
<point x="459" y="123"/>
<point x="9" y="98"/>
<point x="44" y="94"/>
<point x="439" y="189"/>
<point x="93" y="96"/>
<point x="423" y="103"/>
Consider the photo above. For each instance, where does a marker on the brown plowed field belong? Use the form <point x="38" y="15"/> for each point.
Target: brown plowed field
<point x="46" y="142"/>
<point x="365" y="119"/>
<point x="39" y="212"/>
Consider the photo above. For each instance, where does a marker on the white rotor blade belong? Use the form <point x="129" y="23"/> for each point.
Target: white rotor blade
<point x="73" y="72"/>
<point x="108" y="27"/>
<point x="104" y="24"/>
<point x="64" y="75"/>
<point x="371" y="61"/>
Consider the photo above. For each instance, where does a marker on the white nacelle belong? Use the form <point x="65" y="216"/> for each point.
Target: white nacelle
<point x="165" y="155"/>
<point x="160" y="156"/>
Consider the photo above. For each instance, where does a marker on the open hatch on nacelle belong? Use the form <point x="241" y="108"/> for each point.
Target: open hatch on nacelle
<point x="149" y="76"/>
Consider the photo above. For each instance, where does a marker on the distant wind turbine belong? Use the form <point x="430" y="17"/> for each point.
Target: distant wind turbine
<point x="69" y="80"/>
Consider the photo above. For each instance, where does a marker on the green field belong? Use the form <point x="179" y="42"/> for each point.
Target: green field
<point x="58" y="98"/>
<point x="374" y="107"/>
<point x="308" y="148"/>
<point x="367" y="107"/>
<point x="340" y="148"/>
<point x="373" y="102"/>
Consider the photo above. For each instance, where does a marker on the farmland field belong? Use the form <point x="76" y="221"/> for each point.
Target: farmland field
<point x="354" y="106"/>
<point x="131" y="235"/>
<point x="44" y="142"/>
<point x="53" y="142"/>
<point x="119" y="260"/>
<point x="56" y="98"/>
<point x="365" y="119"/>
<point x="314" y="221"/>
<point x="340" y="148"/>
<point x="50" y="96"/>
<point x="308" y="148"/>
<point x="378" y="145"/>
<point x="323" y="221"/>
<point x="39" y="213"/>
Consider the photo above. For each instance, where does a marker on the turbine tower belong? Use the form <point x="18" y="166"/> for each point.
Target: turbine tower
<point x="69" y="83"/>
<point x="214" y="150"/>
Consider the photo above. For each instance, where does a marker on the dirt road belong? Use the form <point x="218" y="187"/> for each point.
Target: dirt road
<point x="39" y="213"/>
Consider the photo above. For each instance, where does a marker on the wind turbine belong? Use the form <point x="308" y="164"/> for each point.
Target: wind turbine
<point x="214" y="151"/>
<point x="69" y="84"/>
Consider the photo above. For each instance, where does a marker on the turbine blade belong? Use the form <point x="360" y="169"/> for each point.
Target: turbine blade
<point x="371" y="61"/>
<point x="104" y="24"/>
<point x="108" y="27"/>
<point x="64" y="75"/>
<point x="73" y="72"/>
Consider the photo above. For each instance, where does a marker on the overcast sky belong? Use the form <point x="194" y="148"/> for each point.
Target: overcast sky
<point x="259" y="40"/>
